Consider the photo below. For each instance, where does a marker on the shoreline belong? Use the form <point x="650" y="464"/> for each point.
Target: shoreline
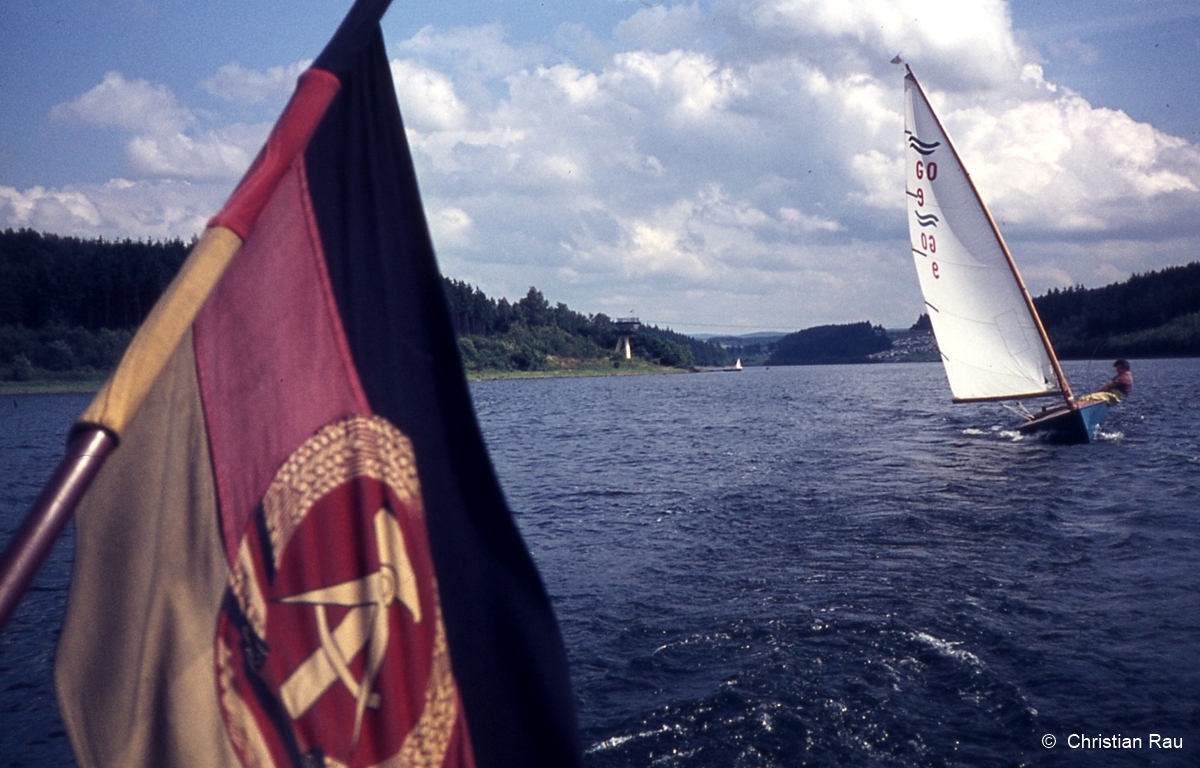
<point x="91" y="386"/>
<point x="636" y="369"/>
<point x="51" y="387"/>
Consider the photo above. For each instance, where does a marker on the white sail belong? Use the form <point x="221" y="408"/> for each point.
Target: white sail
<point x="984" y="322"/>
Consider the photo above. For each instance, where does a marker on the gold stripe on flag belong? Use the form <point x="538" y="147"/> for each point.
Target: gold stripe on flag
<point x="147" y="355"/>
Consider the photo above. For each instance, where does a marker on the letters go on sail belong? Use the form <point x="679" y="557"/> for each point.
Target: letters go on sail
<point x="984" y="321"/>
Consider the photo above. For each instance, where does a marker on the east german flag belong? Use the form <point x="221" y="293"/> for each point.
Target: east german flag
<point x="299" y="554"/>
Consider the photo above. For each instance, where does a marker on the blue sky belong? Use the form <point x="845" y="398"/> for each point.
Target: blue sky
<point x="714" y="166"/>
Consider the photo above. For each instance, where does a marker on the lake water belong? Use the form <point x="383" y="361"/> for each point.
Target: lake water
<point x="807" y="566"/>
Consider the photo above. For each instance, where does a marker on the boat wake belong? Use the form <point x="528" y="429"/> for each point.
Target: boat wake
<point x="1004" y="433"/>
<point x="947" y="648"/>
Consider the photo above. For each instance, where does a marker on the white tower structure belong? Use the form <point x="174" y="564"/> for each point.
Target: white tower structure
<point x="626" y="328"/>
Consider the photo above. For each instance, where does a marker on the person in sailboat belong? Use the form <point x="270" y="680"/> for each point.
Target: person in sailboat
<point x="1116" y="390"/>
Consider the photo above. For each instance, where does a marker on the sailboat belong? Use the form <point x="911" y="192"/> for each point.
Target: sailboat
<point x="993" y="344"/>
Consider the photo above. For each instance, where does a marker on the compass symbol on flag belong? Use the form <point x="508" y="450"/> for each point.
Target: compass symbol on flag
<point x="331" y="648"/>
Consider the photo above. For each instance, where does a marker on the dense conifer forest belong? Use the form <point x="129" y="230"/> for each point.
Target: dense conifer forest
<point x="69" y="306"/>
<point x="531" y="335"/>
<point x="1156" y="314"/>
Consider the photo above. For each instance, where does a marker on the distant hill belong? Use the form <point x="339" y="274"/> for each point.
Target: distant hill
<point x="750" y="348"/>
<point x="727" y="340"/>
<point x="830" y="344"/>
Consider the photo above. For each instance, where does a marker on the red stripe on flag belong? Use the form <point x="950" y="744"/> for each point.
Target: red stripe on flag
<point x="271" y="354"/>
<point x="314" y="91"/>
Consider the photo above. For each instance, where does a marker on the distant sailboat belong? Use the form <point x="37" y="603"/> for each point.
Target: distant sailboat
<point x="737" y="366"/>
<point x="993" y="344"/>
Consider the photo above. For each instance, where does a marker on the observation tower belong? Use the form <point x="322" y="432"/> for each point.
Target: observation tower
<point x="626" y="327"/>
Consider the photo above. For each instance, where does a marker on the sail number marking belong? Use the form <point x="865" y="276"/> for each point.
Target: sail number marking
<point x="928" y="241"/>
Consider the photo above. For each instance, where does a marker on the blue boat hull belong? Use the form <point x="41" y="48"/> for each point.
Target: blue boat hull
<point x="1065" y="424"/>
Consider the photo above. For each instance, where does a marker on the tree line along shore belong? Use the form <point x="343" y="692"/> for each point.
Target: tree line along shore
<point x="69" y="306"/>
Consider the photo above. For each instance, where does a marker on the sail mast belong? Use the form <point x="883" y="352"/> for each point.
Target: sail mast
<point x="1012" y="265"/>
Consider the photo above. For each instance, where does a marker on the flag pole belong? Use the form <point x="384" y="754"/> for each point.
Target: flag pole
<point x="25" y="553"/>
<point x="96" y="431"/>
<point x="95" y="435"/>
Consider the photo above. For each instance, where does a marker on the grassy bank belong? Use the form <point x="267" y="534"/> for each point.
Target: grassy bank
<point x="51" y="386"/>
<point x="626" y="368"/>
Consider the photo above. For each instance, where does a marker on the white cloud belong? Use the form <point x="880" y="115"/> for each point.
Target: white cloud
<point x="450" y="226"/>
<point x="664" y="27"/>
<point x="735" y="159"/>
<point x="974" y="41"/>
<point x="214" y="155"/>
<point x="1061" y="164"/>
<point x="693" y="84"/>
<point x="132" y="105"/>
<point x="804" y="222"/>
<point x="117" y="209"/>
<point x="234" y="82"/>
<point x="47" y="210"/>
<point x="429" y="98"/>
<point x="163" y="140"/>
<point x="704" y="240"/>
<point x="1075" y="49"/>
<point x="478" y="51"/>
<point x="681" y="165"/>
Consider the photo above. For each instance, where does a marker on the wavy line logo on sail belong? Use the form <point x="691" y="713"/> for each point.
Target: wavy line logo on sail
<point x="923" y="147"/>
<point x="926" y="219"/>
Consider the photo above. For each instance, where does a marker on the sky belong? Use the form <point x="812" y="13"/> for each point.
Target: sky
<point x="715" y="167"/>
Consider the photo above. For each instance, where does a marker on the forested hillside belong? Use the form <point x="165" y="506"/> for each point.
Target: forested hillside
<point x="68" y="308"/>
<point x="530" y="334"/>
<point x="830" y="345"/>
<point x="1152" y="315"/>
